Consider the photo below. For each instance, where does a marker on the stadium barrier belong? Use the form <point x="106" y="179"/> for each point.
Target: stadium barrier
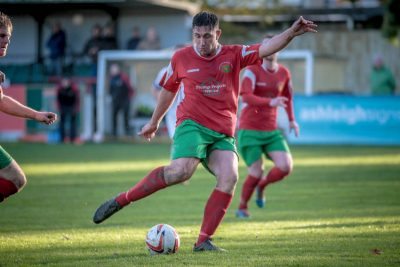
<point x="341" y="119"/>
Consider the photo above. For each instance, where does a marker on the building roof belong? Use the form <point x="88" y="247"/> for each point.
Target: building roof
<point x="143" y="6"/>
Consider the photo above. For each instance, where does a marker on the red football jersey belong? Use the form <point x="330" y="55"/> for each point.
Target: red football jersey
<point x="265" y="84"/>
<point x="211" y="85"/>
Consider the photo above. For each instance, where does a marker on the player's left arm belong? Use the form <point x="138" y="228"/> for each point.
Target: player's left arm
<point x="12" y="107"/>
<point x="280" y="41"/>
<point x="288" y="93"/>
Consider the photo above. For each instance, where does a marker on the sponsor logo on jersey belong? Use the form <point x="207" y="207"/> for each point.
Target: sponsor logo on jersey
<point x="193" y="70"/>
<point x="226" y="67"/>
<point x="211" y="87"/>
<point x="261" y="84"/>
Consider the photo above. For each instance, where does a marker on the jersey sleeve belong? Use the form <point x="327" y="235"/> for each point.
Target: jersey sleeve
<point x="171" y="80"/>
<point x="247" y="86"/>
<point x="288" y="92"/>
<point x="249" y="55"/>
<point x="160" y="78"/>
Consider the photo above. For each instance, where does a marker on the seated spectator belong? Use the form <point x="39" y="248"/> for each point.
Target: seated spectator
<point x="109" y="41"/>
<point x="93" y="44"/>
<point x="135" y="39"/>
<point x="92" y="47"/>
<point x="151" y="42"/>
<point x="56" y="44"/>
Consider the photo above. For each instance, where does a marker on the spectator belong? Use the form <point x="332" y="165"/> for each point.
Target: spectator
<point x="56" y="44"/>
<point x="91" y="49"/>
<point x="109" y="41"/>
<point x="93" y="44"/>
<point x="382" y="80"/>
<point x="135" y="39"/>
<point x="121" y="93"/>
<point x="151" y="42"/>
<point x="68" y="104"/>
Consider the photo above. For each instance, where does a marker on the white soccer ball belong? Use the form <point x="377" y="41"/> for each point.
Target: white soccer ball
<point x="162" y="239"/>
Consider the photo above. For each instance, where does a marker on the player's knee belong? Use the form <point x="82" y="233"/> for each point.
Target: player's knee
<point x="256" y="172"/>
<point x="16" y="175"/>
<point x="179" y="174"/>
<point x="286" y="168"/>
<point x="227" y="181"/>
<point x="19" y="179"/>
<point x="185" y="174"/>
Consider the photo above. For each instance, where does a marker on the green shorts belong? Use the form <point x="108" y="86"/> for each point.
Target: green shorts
<point x="252" y="144"/>
<point x="5" y="158"/>
<point x="192" y="140"/>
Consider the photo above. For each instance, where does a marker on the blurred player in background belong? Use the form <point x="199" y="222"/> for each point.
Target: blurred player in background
<point x="264" y="88"/>
<point x="208" y="72"/>
<point x="170" y="116"/>
<point x="12" y="178"/>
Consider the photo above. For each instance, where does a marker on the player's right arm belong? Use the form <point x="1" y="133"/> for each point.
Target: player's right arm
<point x="247" y="92"/>
<point x="165" y="100"/>
<point x="12" y="107"/>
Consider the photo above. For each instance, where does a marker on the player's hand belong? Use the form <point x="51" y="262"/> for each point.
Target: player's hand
<point x="46" y="117"/>
<point x="301" y="26"/>
<point x="2" y="77"/>
<point x="148" y="131"/>
<point x="279" y="101"/>
<point x="294" y="127"/>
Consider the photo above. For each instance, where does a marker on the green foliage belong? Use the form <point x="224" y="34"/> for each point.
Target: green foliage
<point x="144" y="111"/>
<point x="391" y="21"/>
<point x="340" y="207"/>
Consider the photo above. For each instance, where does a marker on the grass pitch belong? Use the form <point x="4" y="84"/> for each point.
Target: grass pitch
<point x="340" y="207"/>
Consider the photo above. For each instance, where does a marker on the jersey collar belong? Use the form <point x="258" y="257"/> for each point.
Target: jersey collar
<point x="264" y="66"/>
<point x="219" y="48"/>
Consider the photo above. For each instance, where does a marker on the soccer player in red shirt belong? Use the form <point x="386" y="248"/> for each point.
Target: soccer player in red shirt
<point x="12" y="178"/>
<point x="208" y="72"/>
<point x="263" y="88"/>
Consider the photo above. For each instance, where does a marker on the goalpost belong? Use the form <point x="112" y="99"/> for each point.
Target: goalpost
<point x="142" y="68"/>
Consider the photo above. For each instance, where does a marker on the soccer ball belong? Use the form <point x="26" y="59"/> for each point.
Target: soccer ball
<point x="162" y="239"/>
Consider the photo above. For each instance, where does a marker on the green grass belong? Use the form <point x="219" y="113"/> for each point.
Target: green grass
<point x="338" y="206"/>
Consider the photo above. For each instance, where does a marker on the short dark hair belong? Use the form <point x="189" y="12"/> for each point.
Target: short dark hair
<point x="5" y="21"/>
<point x="205" y="18"/>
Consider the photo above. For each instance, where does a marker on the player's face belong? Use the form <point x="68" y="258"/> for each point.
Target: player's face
<point x="272" y="58"/>
<point x="5" y="35"/>
<point x="205" y="40"/>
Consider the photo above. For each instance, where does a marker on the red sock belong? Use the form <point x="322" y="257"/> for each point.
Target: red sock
<point x="151" y="183"/>
<point x="274" y="175"/>
<point x="247" y="190"/>
<point x="214" y="212"/>
<point x="7" y="188"/>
